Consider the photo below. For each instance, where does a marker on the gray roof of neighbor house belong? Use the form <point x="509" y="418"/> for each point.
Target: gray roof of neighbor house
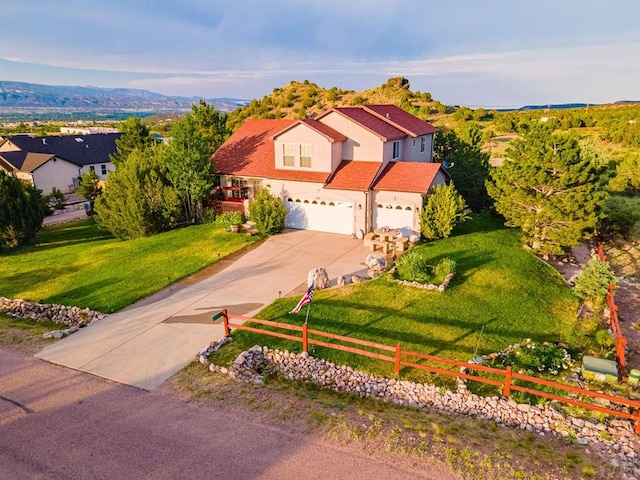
<point x="79" y="149"/>
<point x="25" y="161"/>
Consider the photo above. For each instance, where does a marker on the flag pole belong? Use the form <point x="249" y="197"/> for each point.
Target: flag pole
<point x="307" y="317"/>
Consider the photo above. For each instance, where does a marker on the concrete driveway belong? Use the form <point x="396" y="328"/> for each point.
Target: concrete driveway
<point x="147" y="342"/>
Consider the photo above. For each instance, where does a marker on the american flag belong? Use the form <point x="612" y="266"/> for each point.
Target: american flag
<point x="305" y="300"/>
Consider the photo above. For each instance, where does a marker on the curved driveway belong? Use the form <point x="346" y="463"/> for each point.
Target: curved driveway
<point x="147" y="342"/>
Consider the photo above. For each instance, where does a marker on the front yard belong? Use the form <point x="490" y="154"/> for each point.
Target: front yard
<point x="78" y="264"/>
<point x="500" y="295"/>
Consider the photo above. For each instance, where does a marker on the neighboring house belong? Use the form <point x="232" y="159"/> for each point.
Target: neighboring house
<point x="349" y="170"/>
<point x="58" y="161"/>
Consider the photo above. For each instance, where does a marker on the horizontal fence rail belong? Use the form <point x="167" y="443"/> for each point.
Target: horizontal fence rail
<point x="402" y="358"/>
<point x="614" y="324"/>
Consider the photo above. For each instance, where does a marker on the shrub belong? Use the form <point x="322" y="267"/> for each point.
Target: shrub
<point x="444" y="267"/>
<point x="621" y="216"/>
<point x="55" y="200"/>
<point x="413" y="266"/>
<point x="225" y="220"/>
<point x="267" y="213"/>
<point x="444" y="209"/>
<point x="539" y="357"/>
<point x="593" y="283"/>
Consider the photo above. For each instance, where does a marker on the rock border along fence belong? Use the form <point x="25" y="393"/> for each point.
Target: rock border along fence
<point x="74" y="317"/>
<point x="615" y="439"/>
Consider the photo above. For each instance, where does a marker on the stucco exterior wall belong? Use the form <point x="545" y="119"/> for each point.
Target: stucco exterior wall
<point x="55" y="173"/>
<point x="412" y="151"/>
<point x="321" y="149"/>
<point x="361" y="144"/>
<point x="98" y="169"/>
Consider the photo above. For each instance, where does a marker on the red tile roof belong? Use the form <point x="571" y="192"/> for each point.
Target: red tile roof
<point x="407" y="177"/>
<point x="401" y="119"/>
<point x="371" y="122"/>
<point x="250" y="152"/>
<point x="325" y="130"/>
<point x="354" y="175"/>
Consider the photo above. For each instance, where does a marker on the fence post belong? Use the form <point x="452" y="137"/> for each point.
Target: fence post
<point x="638" y="423"/>
<point x="506" y="391"/>
<point x="305" y="338"/>
<point x="225" y="321"/>
<point x="397" y="369"/>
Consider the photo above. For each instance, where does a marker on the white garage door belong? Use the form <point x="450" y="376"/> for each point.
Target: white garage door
<point x="321" y="216"/>
<point x="394" y="216"/>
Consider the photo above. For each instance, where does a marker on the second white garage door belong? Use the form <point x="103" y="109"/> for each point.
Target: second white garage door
<point x="321" y="216"/>
<point x="394" y="216"/>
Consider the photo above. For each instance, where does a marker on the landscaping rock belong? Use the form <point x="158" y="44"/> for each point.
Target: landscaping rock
<point x="341" y="281"/>
<point x="375" y="262"/>
<point x="319" y="278"/>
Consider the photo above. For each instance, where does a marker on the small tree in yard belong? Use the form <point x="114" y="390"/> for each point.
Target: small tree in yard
<point x="593" y="283"/>
<point x="89" y="187"/>
<point x="22" y="210"/>
<point x="444" y="209"/>
<point x="268" y="213"/>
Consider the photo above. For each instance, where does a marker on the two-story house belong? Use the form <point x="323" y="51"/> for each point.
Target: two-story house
<point x="350" y="169"/>
<point x="58" y="161"/>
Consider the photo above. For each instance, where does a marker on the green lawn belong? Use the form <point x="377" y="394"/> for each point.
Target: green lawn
<point x="79" y="264"/>
<point x="500" y="295"/>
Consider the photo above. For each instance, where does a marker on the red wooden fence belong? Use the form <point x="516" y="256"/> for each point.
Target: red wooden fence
<point x="614" y="324"/>
<point x="506" y="384"/>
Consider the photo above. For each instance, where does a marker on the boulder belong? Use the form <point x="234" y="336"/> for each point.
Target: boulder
<point x="375" y="262"/>
<point x="341" y="281"/>
<point x="318" y="278"/>
<point x="359" y="234"/>
<point x="414" y="238"/>
<point x="356" y="279"/>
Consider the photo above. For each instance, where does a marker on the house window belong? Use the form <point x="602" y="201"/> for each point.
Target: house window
<point x="92" y="168"/>
<point x="305" y="155"/>
<point x="396" y="149"/>
<point x="423" y="143"/>
<point x="103" y="169"/>
<point x="288" y="154"/>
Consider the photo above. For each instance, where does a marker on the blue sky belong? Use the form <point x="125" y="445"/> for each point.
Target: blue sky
<point x="465" y="52"/>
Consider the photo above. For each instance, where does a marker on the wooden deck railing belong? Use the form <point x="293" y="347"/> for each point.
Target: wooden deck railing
<point x="401" y="358"/>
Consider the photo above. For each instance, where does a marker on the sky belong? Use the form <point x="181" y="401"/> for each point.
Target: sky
<point x="490" y="53"/>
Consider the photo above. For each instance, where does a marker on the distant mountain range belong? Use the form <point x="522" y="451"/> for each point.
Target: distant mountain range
<point x="26" y="98"/>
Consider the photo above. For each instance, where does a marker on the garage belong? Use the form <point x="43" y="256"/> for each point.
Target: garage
<point x="320" y="215"/>
<point x="395" y="216"/>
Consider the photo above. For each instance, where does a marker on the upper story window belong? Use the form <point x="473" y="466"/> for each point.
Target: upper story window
<point x="396" y="149"/>
<point x="305" y="155"/>
<point x="103" y="169"/>
<point x="423" y="144"/>
<point x="288" y="154"/>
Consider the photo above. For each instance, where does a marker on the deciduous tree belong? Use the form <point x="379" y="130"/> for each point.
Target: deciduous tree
<point x="189" y="166"/>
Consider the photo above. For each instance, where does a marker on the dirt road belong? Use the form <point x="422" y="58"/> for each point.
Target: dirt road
<point x="57" y="423"/>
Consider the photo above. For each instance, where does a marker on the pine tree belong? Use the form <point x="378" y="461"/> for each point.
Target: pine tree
<point x="138" y="200"/>
<point x="444" y="209"/>
<point x="549" y="190"/>
<point x="468" y="167"/>
<point x="22" y="209"/>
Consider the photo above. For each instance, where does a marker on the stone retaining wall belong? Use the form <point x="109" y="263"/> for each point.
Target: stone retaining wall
<point x="73" y="317"/>
<point x="615" y="439"/>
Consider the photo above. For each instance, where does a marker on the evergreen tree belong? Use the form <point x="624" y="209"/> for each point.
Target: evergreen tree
<point x="138" y="200"/>
<point x="22" y="209"/>
<point x="549" y="190"/>
<point x="468" y="167"/>
<point x="444" y="209"/>
<point x="135" y="135"/>
<point x="89" y="187"/>
<point x="189" y="166"/>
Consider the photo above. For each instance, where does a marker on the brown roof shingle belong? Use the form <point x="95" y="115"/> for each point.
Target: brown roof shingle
<point x="354" y="175"/>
